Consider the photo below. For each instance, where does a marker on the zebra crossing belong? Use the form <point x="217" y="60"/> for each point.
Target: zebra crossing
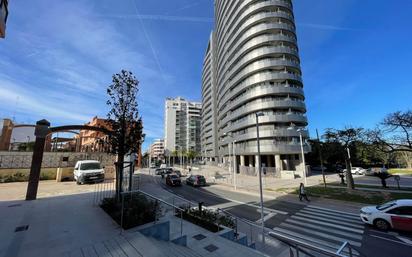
<point x="323" y="227"/>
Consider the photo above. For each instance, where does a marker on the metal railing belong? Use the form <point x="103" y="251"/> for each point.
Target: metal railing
<point x="299" y="246"/>
<point x="163" y="208"/>
<point x="296" y="246"/>
<point x="105" y="189"/>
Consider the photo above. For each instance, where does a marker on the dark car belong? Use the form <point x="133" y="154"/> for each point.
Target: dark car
<point x="159" y="171"/>
<point x="167" y="170"/>
<point x="196" y="180"/>
<point x="177" y="172"/>
<point x="173" y="180"/>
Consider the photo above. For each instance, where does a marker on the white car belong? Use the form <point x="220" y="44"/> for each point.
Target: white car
<point x="391" y="215"/>
<point x="357" y="170"/>
<point x="88" y="171"/>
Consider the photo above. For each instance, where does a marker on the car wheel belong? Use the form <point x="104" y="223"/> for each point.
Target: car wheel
<point x="78" y="182"/>
<point x="382" y="224"/>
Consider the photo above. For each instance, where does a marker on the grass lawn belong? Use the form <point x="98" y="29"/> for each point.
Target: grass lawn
<point x="367" y="197"/>
<point x="359" y="196"/>
<point x="401" y="171"/>
<point x="372" y="187"/>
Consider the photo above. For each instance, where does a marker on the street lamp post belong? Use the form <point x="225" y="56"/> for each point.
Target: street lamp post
<point x="27" y="145"/>
<point x="234" y="163"/>
<point x="260" y="177"/>
<point x="232" y="156"/>
<point x="303" y="155"/>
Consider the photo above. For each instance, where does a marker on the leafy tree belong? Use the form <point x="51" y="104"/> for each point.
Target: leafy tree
<point x="124" y="120"/>
<point x="191" y="155"/>
<point x="346" y="138"/>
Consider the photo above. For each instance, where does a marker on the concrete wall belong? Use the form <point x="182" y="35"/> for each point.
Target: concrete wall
<point x="52" y="159"/>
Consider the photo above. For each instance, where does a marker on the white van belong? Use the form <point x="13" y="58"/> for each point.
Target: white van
<point x="88" y="171"/>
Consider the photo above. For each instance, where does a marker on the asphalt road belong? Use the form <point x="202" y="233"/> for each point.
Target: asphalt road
<point x="327" y="228"/>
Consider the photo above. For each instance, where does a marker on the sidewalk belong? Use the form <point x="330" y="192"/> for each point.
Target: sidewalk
<point x="55" y="225"/>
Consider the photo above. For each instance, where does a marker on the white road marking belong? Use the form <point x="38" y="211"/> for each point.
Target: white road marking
<point x="254" y="206"/>
<point x="315" y="241"/>
<point x="266" y="217"/>
<point x="359" y="231"/>
<point x="404" y="239"/>
<point x="330" y="210"/>
<point x="313" y="232"/>
<point x="337" y="218"/>
<point x="345" y="223"/>
<point x="391" y="240"/>
<point x="339" y="232"/>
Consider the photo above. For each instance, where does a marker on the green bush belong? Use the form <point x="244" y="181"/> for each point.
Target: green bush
<point x="15" y="177"/>
<point x="208" y="219"/>
<point x="137" y="210"/>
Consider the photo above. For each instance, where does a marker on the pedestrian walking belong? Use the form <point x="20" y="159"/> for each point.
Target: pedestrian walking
<point x="302" y="193"/>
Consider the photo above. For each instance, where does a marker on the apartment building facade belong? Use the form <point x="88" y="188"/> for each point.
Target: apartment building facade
<point x="182" y="125"/>
<point x="252" y="67"/>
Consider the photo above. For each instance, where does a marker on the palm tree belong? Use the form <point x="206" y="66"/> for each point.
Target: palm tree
<point x="191" y="155"/>
<point x="175" y="153"/>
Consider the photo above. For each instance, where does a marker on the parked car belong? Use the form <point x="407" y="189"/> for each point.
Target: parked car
<point x="177" y="172"/>
<point x="88" y="171"/>
<point x="196" y="180"/>
<point x="391" y="215"/>
<point x="159" y="171"/>
<point x="357" y="171"/>
<point x="375" y="171"/>
<point x="173" y="180"/>
<point x="167" y="170"/>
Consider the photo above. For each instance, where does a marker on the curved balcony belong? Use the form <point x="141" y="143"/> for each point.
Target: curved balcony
<point x="256" y="79"/>
<point x="271" y="149"/>
<point x="259" y="54"/>
<point x="255" y="67"/>
<point x="256" y="42"/>
<point x="267" y="119"/>
<point x="256" y="107"/>
<point x="260" y="18"/>
<point x="260" y="92"/>
<point x="269" y="134"/>
<point x="240" y="9"/>
<point x="258" y="10"/>
<point x="258" y="29"/>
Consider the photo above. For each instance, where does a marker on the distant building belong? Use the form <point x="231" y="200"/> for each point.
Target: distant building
<point x="157" y="149"/>
<point x="93" y="141"/>
<point x="182" y="125"/>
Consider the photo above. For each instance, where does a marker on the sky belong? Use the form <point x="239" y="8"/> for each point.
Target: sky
<point x="58" y="58"/>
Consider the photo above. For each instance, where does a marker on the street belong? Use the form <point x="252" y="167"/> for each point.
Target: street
<point x="328" y="228"/>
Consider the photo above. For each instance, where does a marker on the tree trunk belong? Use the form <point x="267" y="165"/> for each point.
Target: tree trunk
<point x="349" y="179"/>
<point x="119" y="175"/>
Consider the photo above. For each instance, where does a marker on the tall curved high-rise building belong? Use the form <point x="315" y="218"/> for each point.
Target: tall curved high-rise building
<point x="251" y="67"/>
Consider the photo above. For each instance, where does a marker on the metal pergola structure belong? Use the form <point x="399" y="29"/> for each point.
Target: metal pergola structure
<point x="4" y="13"/>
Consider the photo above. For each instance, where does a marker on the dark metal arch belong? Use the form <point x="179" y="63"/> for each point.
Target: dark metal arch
<point x="24" y="126"/>
<point x="78" y="127"/>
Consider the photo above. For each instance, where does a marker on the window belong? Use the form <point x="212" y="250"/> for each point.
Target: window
<point x="386" y="205"/>
<point x="403" y="210"/>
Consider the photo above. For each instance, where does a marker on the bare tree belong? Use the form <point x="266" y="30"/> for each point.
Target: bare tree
<point x="346" y="138"/>
<point x="124" y="120"/>
<point x="394" y="133"/>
